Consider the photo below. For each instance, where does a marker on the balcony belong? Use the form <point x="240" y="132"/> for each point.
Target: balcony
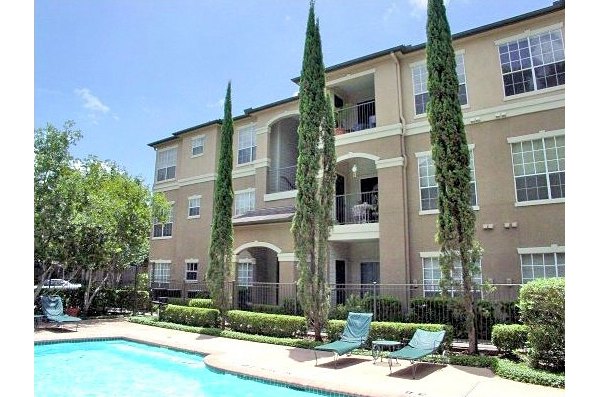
<point x="356" y="208"/>
<point x="281" y="179"/>
<point x="355" y="118"/>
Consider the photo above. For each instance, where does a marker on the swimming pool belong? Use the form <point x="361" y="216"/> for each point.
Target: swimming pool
<point x="121" y="368"/>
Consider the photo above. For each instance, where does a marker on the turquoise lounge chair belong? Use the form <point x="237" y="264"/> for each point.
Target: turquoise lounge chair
<point x="52" y="307"/>
<point x="354" y="336"/>
<point x="423" y="343"/>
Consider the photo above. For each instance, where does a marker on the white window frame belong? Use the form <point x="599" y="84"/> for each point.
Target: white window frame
<point x="161" y="271"/>
<point x="545" y="137"/>
<point x="528" y="36"/>
<point x="419" y="69"/>
<point x="431" y="285"/>
<point x="166" y="163"/>
<point x="198" y="143"/>
<point x="164" y="227"/>
<point x="248" y="144"/>
<point x="241" y="207"/>
<point x="192" y="200"/>
<point x="188" y="263"/>
<point x="554" y="252"/>
<point x="428" y="179"/>
<point x="245" y="272"/>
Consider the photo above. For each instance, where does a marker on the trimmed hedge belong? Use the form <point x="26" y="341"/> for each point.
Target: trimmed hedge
<point x="522" y="373"/>
<point x="195" y="316"/>
<point x="509" y="337"/>
<point x="266" y="324"/>
<point x="269" y="309"/>
<point x="391" y="331"/>
<point x="291" y="342"/>
<point x="204" y="303"/>
<point x="178" y="301"/>
<point x="389" y="308"/>
<point x="542" y="304"/>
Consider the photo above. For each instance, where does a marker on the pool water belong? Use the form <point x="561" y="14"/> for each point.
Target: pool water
<point x="120" y="368"/>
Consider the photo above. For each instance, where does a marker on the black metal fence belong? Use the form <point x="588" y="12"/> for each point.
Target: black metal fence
<point x="495" y="304"/>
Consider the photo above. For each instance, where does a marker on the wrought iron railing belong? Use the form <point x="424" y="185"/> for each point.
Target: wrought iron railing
<point x="281" y="179"/>
<point x="356" y="208"/>
<point x="356" y="118"/>
<point x="495" y="304"/>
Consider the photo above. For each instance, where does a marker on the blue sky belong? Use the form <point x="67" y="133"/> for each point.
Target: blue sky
<point x="132" y="72"/>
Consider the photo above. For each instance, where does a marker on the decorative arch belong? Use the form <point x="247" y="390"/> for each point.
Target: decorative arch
<point x="281" y="116"/>
<point x="352" y="155"/>
<point x="257" y="244"/>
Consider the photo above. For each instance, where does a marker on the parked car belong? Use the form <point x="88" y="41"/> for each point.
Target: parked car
<point x="59" y="283"/>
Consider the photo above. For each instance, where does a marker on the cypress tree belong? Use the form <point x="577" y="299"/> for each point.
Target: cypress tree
<point x="221" y="239"/>
<point x="450" y="153"/>
<point x="310" y="226"/>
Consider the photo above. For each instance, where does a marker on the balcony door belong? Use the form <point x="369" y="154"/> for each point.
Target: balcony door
<point x="340" y="202"/>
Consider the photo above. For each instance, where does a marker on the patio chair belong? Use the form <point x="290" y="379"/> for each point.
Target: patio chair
<point x="423" y="343"/>
<point x="354" y="336"/>
<point x="52" y="307"/>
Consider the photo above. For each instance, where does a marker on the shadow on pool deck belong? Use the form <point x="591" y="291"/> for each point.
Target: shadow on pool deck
<point x="356" y="375"/>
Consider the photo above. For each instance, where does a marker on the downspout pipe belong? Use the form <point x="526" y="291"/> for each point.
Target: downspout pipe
<point x="404" y="173"/>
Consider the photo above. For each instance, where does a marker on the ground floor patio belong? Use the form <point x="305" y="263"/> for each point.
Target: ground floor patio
<point x="356" y="375"/>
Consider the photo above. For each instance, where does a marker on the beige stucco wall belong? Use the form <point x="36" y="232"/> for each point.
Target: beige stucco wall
<point x="538" y="225"/>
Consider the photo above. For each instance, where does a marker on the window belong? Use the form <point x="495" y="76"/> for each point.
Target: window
<point x="163" y="230"/>
<point x="166" y="161"/>
<point x="542" y="265"/>
<point x="539" y="168"/>
<point x="194" y="206"/>
<point x="428" y="187"/>
<point x="161" y="272"/>
<point x="198" y="145"/>
<point x="245" y="271"/>
<point x="432" y="274"/>
<point x="420" y="75"/>
<point x="191" y="271"/>
<point x="533" y="63"/>
<point x="244" y="202"/>
<point x="246" y="145"/>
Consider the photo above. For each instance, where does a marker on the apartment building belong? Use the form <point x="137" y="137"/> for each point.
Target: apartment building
<point x="512" y="91"/>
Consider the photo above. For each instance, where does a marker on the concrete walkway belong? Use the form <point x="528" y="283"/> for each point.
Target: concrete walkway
<point x="355" y="375"/>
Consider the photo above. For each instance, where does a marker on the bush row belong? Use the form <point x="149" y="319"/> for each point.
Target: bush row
<point x="439" y="310"/>
<point x="186" y="315"/>
<point x="391" y="331"/>
<point x="105" y="299"/>
<point x="509" y="337"/>
<point x="267" y="324"/>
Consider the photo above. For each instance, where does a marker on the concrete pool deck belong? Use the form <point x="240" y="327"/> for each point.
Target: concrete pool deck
<point x="355" y="375"/>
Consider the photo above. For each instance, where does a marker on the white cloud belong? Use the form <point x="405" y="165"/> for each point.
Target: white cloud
<point x="219" y="104"/>
<point x="420" y="6"/>
<point x="90" y="101"/>
<point x="391" y="10"/>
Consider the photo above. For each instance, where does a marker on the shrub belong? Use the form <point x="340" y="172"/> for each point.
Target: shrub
<point x="204" y="303"/>
<point x="509" y="337"/>
<point x="439" y="310"/>
<point x="194" y="316"/>
<point x="391" y="331"/>
<point x="542" y="304"/>
<point x="387" y="308"/>
<point x="522" y="373"/>
<point x="178" y="301"/>
<point x="271" y="309"/>
<point x="267" y="324"/>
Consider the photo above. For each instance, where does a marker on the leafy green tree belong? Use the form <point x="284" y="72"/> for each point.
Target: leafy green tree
<point x="53" y="197"/>
<point x="221" y="239"/>
<point x="114" y="215"/>
<point x="456" y="220"/>
<point x="312" y="220"/>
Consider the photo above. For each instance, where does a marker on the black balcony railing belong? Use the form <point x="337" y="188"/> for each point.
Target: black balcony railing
<point x="282" y="179"/>
<point x="356" y="118"/>
<point x="356" y="208"/>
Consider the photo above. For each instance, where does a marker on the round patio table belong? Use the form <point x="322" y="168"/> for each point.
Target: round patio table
<point x="379" y="345"/>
